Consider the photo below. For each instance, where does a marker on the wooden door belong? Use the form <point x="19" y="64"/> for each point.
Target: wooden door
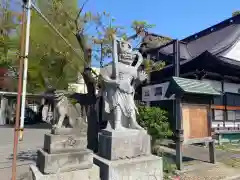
<point x="195" y="121"/>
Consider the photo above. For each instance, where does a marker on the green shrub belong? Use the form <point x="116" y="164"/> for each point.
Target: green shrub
<point x="155" y="121"/>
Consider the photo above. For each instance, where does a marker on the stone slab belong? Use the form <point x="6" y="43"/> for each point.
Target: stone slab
<point x="64" y="162"/>
<point x="114" y="145"/>
<point x="140" y="168"/>
<point x="64" y="143"/>
<point x="66" y="131"/>
<point x="85" y="174"/>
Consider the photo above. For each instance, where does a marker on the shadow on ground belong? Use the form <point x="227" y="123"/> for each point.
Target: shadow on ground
<point x="40" y="125"/>
<point x="29" y="155"/>
<point x="170" y="157"/>
<point x="189" y="157"/>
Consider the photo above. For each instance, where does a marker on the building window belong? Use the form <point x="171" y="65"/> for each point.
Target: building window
<point x="147" y="93"/>
<point x="158" y="91"/>
<point x="237" y="115"/>
<point x="231" y="115"/>
<point x="218" y="115"/>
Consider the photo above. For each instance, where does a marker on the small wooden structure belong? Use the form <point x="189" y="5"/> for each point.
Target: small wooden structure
<point x="192" y="118"/>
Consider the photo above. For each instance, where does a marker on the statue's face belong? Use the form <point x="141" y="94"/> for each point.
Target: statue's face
<point x="124" y="47"/>
<point x="125" y="52"/>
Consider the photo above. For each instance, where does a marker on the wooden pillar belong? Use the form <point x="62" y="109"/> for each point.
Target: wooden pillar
<point x="224" y="103"/>
<point x="176" y="51"/>
<point x="211" y="145"/>
<point x="177" y="109"/>
<point x="179" y="134"/>
<point x="212" y="152"/>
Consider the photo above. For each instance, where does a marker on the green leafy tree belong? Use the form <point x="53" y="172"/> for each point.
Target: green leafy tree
<point x="235" y="13"/>
<point x="52" y="62"/>
<point x="8" y="42"/>
<point x="153" y="41"/>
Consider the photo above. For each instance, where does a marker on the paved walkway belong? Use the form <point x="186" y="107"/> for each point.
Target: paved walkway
<point x="33" y="139"/>
<point x="196" y="158"/>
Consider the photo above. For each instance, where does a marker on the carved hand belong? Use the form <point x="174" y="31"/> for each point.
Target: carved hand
<point x="142" y="75"/>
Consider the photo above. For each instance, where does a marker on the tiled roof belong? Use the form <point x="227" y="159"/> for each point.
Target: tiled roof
<point x="215" y="39"/>
<point x="191" y="86"/>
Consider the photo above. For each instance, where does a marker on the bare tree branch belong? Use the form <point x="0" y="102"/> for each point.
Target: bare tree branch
<point x="78" y="15"/>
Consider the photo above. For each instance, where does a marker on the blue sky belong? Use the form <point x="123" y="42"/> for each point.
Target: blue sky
<point x="173" y="18"/>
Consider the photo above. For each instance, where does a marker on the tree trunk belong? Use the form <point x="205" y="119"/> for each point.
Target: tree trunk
<point x="92" y="116"/>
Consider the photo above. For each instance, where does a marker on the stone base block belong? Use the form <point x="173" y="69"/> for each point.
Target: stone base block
<point x="64" y="162"/>
<point x="86" y="174"/>
<point x="64" y="143"/>
<point x="140" y="168"/>
<point x="67" y="131"/>
<point x="129" y="143"/>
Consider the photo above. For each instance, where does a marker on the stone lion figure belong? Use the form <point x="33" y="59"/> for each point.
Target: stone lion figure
<point x="60" y="112"/>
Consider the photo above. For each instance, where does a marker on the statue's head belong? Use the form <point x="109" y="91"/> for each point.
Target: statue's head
<point x="59" y="94"/>
<point x="125" y="52"/>
<point x="124" y="46"/>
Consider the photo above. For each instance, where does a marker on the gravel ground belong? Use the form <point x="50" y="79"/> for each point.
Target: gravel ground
<point x="210" y="172"/>
<point x="199" y="168"/>
<point x="187" y="177"/>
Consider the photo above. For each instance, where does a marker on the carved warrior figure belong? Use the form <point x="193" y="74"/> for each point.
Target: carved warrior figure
<point x="118" y="81"/>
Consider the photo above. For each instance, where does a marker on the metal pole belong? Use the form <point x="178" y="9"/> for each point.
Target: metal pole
<point x="177" y="109"/>
<point x="24" y="88"/>
<point x="20" y="71"/>
<point x="176" y="51"/>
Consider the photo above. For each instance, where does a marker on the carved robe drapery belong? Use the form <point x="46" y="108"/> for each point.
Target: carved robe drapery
<point x="121" y="95"/>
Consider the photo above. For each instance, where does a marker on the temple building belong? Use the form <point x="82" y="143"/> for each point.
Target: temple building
<point x="211" y="55"/>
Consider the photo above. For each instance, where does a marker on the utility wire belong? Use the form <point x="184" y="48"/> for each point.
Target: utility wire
<point x="63" y="38"/>
<point x="80" y="55"/>
<point x="58" y="33"/>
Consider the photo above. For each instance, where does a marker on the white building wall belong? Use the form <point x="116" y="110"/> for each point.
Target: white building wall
<point x="234" y="52"/>
<point x="80" y="86"/>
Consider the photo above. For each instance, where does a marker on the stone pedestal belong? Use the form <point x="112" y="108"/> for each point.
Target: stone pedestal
<point x="127" y="155"/>
<point x="85" y="174"/>
<point x="114" y="145"/>
<point x="64" y="155"/>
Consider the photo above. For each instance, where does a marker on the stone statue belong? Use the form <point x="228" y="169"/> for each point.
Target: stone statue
<point x="61" y="109"/>
<point x="118" y="85"/>
<point x="63" y="113"/>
